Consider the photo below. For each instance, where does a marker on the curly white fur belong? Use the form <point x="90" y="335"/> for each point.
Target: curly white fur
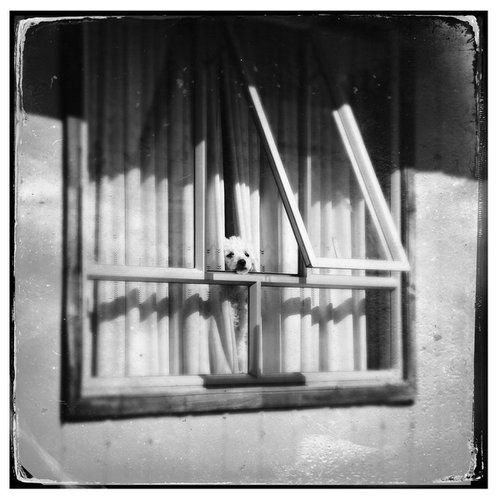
<point x="238" y="255"/>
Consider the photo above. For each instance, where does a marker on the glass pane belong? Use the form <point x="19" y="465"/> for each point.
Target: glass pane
<point x="242" y="196"/>
<point x="326" y="330"/>
<point x="149" y="329"/>
<point x="337" y="217"/>
<point x="139" y="103"/>
<point x="298" y="103"/>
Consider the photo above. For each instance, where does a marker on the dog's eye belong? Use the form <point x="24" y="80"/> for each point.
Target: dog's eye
<point x="246" y="253"/>
<point x="230" y="255"/>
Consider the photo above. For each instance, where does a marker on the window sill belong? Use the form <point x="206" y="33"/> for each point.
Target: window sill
<point x="292" y="392"/>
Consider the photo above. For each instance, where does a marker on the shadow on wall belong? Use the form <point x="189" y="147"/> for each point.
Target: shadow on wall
<point x="441" y="71"/>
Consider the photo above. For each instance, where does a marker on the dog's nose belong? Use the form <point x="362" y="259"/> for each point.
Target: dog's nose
<point x="242" y="263"/>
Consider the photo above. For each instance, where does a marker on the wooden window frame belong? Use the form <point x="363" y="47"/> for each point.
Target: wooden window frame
<point x="85" y="397"/>
<point x="360" y="161"/>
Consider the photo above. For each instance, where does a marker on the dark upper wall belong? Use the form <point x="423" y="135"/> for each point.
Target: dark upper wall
<point x="445" y="58"/>
<point x="41" y="89"/>
<point x="440" y="64"/>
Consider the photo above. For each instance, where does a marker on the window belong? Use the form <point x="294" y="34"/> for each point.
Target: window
<point x="194" y="130"/>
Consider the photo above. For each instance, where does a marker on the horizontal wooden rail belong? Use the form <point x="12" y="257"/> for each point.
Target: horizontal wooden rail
<point x="361" y="264"/>
<point x="185" y="384"/>
<point x="242" y="398"/>
<point x="171" y="275"/>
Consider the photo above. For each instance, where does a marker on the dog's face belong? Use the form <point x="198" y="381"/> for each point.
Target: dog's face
<point x="238" y="256"/>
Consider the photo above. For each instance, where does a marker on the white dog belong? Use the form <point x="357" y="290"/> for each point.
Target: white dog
<point x="238" y="255"/>
<point x="239" y="258"/>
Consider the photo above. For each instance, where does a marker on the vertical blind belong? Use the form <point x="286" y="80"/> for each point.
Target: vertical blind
<point x="140" y="200"/>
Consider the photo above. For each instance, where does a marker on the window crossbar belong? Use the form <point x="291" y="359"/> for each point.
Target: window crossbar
<point x="179" y="275"/>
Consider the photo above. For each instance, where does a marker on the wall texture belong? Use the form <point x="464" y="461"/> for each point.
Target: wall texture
<point x="420" y="444"/>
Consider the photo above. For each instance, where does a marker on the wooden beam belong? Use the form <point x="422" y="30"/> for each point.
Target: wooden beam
<point x="179" y="275"/>
<point x="363" y="264"/>
<point x="242" y="398"/>
<point x="370" y="186"/>
<point x="255" y="329"/>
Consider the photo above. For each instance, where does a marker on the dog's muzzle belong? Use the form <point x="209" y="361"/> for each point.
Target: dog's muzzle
<point x="241" y="265"/>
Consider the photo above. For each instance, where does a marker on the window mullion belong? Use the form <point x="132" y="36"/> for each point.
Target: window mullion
<point x="255" y="329"/>
<point x="183" y="275"/>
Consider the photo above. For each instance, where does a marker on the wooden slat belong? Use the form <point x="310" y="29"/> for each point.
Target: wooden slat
<point x="255" y="329"/>
<point x="355" y="376"/>
<point x="366" y="264"/>
<point x="72" y="315"/>
<point x="190" y="329"/>
<point x="249" y="398"/>
<point x="396" y="345"/>
<point x="408" y="332"/>
<point x="359" y="330"/>
<point x="374" y="197"/>
<point x="180" y="275"/>
<point x="143" y="273"/>
<point x="272" y="331"/>
<point x="351" y="152"/>
<point x="175" y="327"/>
<point x="192" y="384"/>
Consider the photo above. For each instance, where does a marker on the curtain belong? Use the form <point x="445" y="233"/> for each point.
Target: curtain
<point x="140" y="108"/>
<point x="140" y="194"/>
